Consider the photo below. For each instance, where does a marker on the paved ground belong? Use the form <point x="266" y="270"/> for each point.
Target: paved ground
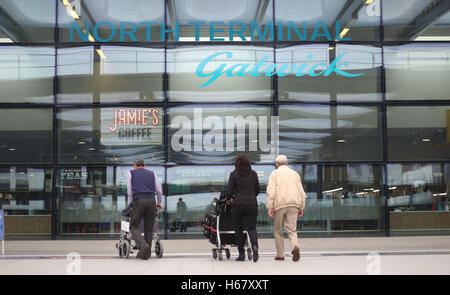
<point x="353" y="256"/>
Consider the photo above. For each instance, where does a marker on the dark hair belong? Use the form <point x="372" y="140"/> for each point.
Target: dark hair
<point x="242" y="166"/>
<point x="139" y="162"/>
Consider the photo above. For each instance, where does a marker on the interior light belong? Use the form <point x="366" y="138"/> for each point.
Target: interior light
<point x="66" y="3"/>
<point x="341" y="140"/>
<point x="91" y="38"/>
<point x="330" y="48"/>
<point x="12" y="149"/>
<point x="333" y="190"/>
<point x="74" y="14"/>
<point x="92" y="149"/>
<point x="368" y="2"/>
<point x="426" y="140"/>
<point x="81" y="142"/>
<point x="100" y="52"/>
<point x="393" y="187"/>
<point x="344" y="32"/>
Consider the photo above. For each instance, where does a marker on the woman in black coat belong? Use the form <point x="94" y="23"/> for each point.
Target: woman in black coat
<point x="243" y="187"/>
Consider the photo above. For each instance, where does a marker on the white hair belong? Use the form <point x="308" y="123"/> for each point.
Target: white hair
<point x="281" y="160"/>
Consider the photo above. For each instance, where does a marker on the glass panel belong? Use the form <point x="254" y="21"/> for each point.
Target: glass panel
<point x="406" y="19"/>
<point x="418" y="133"/>
<point x="351" y="198"/>
<point x="419" y="196"/>
<point x="26" y="136"/>
<point x="310" y="182"/>
<point x="417" y="72"/>
<point x="26" y="74"/>
<point x="110" y="135"/>
<point x="217" y="134"/>
<point x="26" y="198"/>
<point x="215" y="20"/>
<point x="27" y="21"/>
<point x="119" y="74"/>
<point x="311" y="133"/>
<point x="141" y="20"/>
<point x="362" y="20"/>
<point x="91" y="199"/>
<point x="193" y="191"/>
<point x="438" y="31"/>
<point x="219" y="83"/>
<point x="311" y="75"/>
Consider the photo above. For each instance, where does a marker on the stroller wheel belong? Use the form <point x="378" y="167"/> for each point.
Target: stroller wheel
<point x="220" y="255"/>
<point x="125" y="249"/>
<point x="119" y="247"/>
<point x="158" y="249"/>
<point x="227" y="253"/>
<point x="214" y="253"/>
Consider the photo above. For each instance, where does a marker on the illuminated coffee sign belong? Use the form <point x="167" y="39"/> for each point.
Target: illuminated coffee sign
<point x="131" y="126"/>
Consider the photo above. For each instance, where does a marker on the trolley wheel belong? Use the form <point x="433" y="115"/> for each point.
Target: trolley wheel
<point x="159" y="248"/>
<point x="125" y="249"/>
<point x="220" y="255"/>
<point x="119" y="247"/>
<point x="227" y="253"/>
<point x="249" y="254"/>
<point x="214" y="253"/>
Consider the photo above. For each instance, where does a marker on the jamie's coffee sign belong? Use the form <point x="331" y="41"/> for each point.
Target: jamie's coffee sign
<point x="137" y="126"/>
<point x="285" y="32"/>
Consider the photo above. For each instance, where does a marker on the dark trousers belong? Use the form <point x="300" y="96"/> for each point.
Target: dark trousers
<point x="146" y="209"/>
<point x="244" y="218"/>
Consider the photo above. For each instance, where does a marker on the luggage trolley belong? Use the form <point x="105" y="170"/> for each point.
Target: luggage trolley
<point x="126" y="244"/>
<point x="219" y="230"/>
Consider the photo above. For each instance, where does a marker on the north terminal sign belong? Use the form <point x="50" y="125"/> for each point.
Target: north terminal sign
<point x="235" y="28"/>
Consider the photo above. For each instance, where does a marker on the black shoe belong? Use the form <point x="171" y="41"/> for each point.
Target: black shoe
<point x="144" y="253"/>
<point x="241" y="257"/>
<point x="255" y="253"/>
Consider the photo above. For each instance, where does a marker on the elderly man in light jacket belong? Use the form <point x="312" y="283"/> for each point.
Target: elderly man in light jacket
<point x="285" y="203"/>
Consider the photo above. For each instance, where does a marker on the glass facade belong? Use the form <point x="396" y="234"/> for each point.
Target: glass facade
<point x="372" y="147"/>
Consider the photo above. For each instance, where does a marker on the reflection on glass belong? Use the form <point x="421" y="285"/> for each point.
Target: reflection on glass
<point x="400" y="19"/>
<point x="419" y="196"/>
<point x="27" y="21"/>
<point x="351" y="198"/>
<point x="131" y="74"/>
<point x="361" y="19"/>
<point x="110" y="135"/>
<point x="194" y="190"/>
<point x="322" y="133"/>
<point x="418" y="133"/>
<point x="91" y="199"/>
<point x="203" y="12"/>
<point x="217" y="134"/>
<point x="417" y="72"/>
<point x="183" y="62"/>
<point x="358" y="59"/>
<point x="143" y="13"/>
<point x="25" y="136"/>
<point x="26" y="198"/>
<point x="26" y="74"/>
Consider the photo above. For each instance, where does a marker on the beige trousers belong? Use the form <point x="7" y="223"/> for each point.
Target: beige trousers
<point x="286" y="217"/>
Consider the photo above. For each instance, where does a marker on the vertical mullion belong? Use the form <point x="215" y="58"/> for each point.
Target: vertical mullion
<point x="384" y="128"/>
<point x="54" y="209"/>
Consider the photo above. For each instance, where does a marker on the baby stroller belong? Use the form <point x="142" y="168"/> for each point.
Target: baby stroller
<point x="219" y="231"/>
<point x="126" y="244"/>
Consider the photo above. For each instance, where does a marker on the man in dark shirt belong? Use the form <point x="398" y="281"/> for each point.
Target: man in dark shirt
<point x="142" y="186"/>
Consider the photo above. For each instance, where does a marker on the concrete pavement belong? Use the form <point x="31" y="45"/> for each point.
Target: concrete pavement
<point x="320" y="256"/>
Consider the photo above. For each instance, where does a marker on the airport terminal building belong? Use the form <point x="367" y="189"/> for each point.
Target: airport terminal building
<point x="356" y="93"/>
